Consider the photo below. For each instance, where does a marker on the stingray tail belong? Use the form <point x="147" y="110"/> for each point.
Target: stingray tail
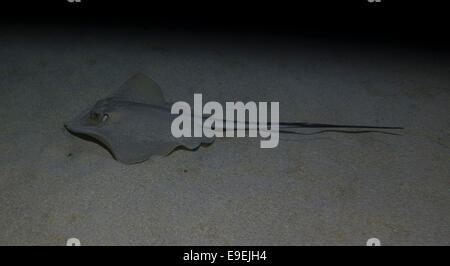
<point x="325" y="128"/>
<point x="319" y="125"/>
<point x="329" y="128"/>
<point x="334" y="128"/>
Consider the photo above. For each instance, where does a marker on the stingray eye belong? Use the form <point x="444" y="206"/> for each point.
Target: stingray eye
<point x="105" y="118"/>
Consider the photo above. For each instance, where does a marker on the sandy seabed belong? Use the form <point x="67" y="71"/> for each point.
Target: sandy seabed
<point x="328" y="189"/>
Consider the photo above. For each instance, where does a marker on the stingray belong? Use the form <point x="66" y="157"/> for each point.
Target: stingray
<point x="134" y="124"/>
